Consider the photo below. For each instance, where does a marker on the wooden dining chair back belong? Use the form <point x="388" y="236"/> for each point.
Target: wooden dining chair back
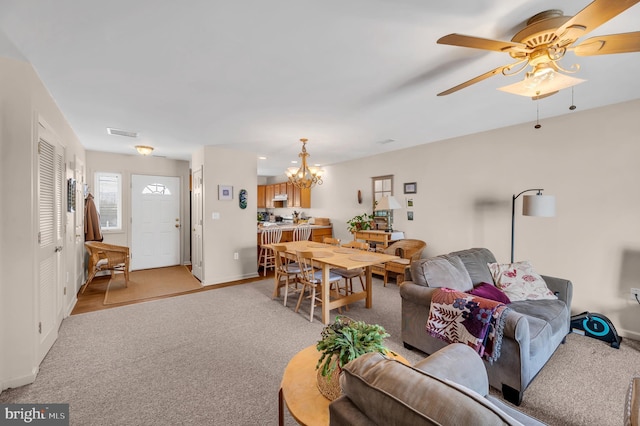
<point x="106" y="257"/>
<point x="266" y="258"/>
<point x="311" y="280"/>
<point x="287" y="273"/>
<point x="302" y="232"/>
<point x="355" y="244"/>
<point x="332" y="241"/>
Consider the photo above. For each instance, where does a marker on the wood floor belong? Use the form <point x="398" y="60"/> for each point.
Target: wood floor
<point x="93" y="297"/>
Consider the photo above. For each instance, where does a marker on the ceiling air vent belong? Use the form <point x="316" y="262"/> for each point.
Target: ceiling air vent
<point x="119" y="132"/>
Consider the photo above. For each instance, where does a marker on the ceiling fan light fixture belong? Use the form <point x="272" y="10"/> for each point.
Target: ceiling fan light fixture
<point x="547" y="81"/>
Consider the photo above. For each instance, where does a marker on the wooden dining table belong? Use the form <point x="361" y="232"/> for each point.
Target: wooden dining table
<point x="329" y="256"/>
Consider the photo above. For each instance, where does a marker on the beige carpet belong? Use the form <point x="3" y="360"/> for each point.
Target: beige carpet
<point x="217" y="357"/>
<point x="150" y="283"/>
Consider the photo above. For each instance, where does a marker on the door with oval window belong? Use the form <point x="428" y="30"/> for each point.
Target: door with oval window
<point x="155" y="221"/>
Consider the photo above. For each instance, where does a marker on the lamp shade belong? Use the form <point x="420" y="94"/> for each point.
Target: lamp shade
<point x="388" y="203"/>
<point x="539" y="205"/>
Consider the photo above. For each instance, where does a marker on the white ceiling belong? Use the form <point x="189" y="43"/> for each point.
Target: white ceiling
<point x="257" y="75"/>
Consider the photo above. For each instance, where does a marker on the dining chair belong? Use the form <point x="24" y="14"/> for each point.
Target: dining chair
<point x="287" y="273"/>
<point x="266" y="259"/>
<point x="311" y="280"/>
<point x="350" y="274"/>
<point x="332" y="241"/>
<point x="302" y="232"/>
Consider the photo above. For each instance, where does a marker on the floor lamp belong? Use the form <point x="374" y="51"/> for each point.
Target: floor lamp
<point x="532" y="205"/>
<point x="388" y="203"/>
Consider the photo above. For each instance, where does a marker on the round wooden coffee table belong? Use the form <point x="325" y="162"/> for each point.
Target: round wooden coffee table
<point x="299" y="390"/>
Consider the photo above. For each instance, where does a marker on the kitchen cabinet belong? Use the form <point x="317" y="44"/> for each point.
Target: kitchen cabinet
<point x="318" y="234"/>
<point x="296" y="197"/>
<point x="268" y="195"/>
<point x="262" y="196"/>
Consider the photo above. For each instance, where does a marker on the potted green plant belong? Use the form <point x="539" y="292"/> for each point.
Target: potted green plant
<point x="344" y="341"/>
<point x="360" y="222"/>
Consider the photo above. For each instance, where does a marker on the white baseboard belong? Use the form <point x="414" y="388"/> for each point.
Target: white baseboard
<point x="629" y="334"/>
<point x="231" y="279"/>
<point x="71" y="306"/>
<point x="16" y="382"/>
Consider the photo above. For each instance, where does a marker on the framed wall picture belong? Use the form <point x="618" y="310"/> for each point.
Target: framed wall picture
<point x="410" y="188"/>
<point x="409" y="202"/>
<point x="225" y="192"/>
<point x="409" y="215"/>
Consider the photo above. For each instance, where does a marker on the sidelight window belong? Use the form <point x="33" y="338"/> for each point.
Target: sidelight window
<point x="108" y="199"/>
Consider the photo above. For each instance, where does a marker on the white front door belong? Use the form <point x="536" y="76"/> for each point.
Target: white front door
<point x="155" y="221"/>
<point x="196" y="221"/>
<point x="51" y="230"/>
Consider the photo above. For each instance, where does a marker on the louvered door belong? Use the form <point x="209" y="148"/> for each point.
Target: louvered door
<point x="50" y="239"/>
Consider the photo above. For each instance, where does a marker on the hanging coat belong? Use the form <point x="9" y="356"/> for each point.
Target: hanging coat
<point x="91" y="221"/>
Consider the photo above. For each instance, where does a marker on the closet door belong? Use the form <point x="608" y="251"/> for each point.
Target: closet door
<point x="50" y="205"/>
<point x="196" y="222"/>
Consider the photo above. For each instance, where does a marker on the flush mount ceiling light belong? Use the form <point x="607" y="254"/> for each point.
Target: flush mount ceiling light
<point x="304" y="177"/>
<point x="144" y="149"/>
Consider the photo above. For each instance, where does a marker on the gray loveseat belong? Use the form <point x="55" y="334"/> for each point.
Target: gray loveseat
<point x="449" y="387"/>
<point x="532" y="332"/>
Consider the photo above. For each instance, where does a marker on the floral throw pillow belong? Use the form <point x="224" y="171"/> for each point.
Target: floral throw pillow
<point x="519" y="281"/>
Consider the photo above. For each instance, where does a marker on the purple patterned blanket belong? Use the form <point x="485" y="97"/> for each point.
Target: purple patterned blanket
<point x="457" y="317"/>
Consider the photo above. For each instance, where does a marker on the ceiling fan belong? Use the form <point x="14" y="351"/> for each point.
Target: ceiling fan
<point x="544" y="41"/>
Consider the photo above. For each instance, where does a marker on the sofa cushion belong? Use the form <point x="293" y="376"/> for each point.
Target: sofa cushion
<point x="490" y="291"/>
<point x="447" y="271"/>
<point x="475" y="261"/>
<point x="385" y="389"/>
<point x="519" y="281"/>
<point x="546" y="319"/>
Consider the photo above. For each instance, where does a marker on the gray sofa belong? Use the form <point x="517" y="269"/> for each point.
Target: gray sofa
<point x="449" y="387"/>
<point x="533" y="328"/>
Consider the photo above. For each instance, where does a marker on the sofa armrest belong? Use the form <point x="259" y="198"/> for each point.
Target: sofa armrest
<point x="459" y="363"/>
<point x="561" y="287"/>
<point x="418" y="294"/>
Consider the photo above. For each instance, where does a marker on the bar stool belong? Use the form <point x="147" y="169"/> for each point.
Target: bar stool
<point x="266" y="259"/>
<point x="302" y="233"/>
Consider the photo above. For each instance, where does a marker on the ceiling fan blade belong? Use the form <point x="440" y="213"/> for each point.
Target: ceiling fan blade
<point x="605" y="45"/>
<point x="483" y="43"/>
<point x="591" y="17"/>
<point x="479" y="78"/>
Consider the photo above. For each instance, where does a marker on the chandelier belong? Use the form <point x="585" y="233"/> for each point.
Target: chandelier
<point x="304" y="177"/>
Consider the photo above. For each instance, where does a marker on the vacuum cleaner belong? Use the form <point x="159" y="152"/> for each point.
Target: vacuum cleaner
<point x="596" y="325"/>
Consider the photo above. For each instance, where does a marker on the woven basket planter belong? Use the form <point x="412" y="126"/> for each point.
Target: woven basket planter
<point x="329" y="386"/>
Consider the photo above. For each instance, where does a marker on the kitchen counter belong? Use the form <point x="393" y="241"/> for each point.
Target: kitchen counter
<point x="318" y="232"/>
<point x="291" y="227"/>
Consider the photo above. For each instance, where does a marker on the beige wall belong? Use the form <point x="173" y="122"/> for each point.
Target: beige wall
<point x="588" y="159"/>
<point x="24" y="102"/>
<point x="127" y="165"/>
<point x="235" y="230"/>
